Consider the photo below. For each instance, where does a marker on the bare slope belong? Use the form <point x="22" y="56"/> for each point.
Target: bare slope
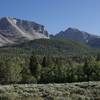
<point x="14" y="31"/>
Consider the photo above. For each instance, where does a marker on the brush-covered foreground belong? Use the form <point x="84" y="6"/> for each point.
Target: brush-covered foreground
<point x="65" y="91"/>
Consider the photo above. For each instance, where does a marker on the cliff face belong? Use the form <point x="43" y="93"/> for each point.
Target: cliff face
<point x="14" y="31"/>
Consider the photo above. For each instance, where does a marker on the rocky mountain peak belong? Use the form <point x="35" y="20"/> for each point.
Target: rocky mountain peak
<point x="13" y="30"/>
<point x="72" y="29"/>
<point x="76" y="35"/>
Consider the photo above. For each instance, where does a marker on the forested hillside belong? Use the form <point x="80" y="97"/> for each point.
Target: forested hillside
<point x="54" y="47"/>
<point x="48" y="61"/>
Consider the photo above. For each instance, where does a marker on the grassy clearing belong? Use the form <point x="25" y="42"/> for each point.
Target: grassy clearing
<point x="67" y="91"/>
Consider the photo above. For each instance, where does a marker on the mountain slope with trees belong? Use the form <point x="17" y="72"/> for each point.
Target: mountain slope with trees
<point x="49" y="47"/>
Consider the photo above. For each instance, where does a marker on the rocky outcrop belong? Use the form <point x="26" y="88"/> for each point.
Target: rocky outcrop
<point x="14" y="31"/>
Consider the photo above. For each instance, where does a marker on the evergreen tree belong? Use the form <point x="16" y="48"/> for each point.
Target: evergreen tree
<point x="11" y="72"/>
<point x="88" y="68"/>
<point x="33" y="63"/>
<point x="27" y="76"/>
<point x="3" y="71"/>
<point x="70" y="71"/>
<point x="44" y="62"/>
<point x="98" y="57"/>
<point x="35" y="67"/>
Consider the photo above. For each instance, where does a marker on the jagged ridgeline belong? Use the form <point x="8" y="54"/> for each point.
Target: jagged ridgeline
<point x="28" y="55"/>
<point x="14" y="31"/>
<point x="21" y="37"/>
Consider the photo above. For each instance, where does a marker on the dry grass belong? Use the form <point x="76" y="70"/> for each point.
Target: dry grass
<point x="67" y="91"/>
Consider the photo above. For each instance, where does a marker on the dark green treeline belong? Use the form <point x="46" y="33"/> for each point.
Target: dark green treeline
<point x="47" y="69"/>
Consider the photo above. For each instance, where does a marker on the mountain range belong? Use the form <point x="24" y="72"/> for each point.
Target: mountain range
<point x="77" y="35"/>
<point x="15" y="31"/>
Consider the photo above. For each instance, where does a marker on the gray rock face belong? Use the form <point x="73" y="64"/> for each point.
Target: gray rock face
<point x="77" y="35"/>
<point x="14" y="31"/>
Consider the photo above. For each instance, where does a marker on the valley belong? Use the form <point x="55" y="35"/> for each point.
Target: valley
<point x="35" y="65"/>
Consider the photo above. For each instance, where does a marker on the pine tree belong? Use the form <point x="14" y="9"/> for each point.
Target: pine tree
<point x="11" y="72"/>
<point x="44" y="62"/>
<point x="33" y="63"/>
<point x="98" y="57"/>
<point x="35" y="67"/>
<point x="70" y="71"/>
<point x="27" y="76"/>
<point x="88" y="68"/>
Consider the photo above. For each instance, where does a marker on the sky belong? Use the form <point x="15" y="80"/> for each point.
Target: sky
<point x="56" y="15"/>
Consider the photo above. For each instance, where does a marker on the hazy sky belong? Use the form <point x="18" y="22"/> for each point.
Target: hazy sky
<point x="56" y="15"/>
